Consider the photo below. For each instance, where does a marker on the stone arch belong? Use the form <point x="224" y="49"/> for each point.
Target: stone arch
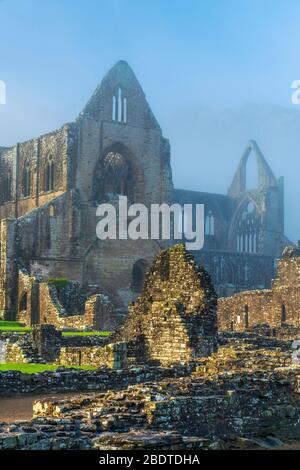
<point x="139" y="270"/>
<point x="210" y="223"/>
<point x="23" y="302"/>
<point x="266" y="177"/>
<point x="245" y="227"/>
<point x="118" y="173"/>
<point x="49" y="174"/>
<point x="246" y="315"/>
<point x="119" y="106"/>
<point x="52" y="210"/>
<point x="6" y="187"/>
<point x="26" y="179"/>
<point x="283" y="313"/>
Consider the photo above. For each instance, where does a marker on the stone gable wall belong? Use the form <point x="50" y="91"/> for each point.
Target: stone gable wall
<point x="274" y="307"/>
<point x="176" y="313"/>
<point x="43" y="306"/>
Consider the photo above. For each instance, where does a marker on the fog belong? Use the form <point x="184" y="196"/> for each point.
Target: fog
<point x="216" y="74"/>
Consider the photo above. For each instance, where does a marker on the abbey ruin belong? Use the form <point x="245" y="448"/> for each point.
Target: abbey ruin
<point x="201" y="350"/>
<point x="51" y="185"/>
<point x="175" y="375"/>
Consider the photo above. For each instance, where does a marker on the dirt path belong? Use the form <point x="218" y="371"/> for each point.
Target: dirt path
<point x="20" y="407"/>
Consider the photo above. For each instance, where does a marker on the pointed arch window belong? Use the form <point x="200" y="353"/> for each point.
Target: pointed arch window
<point x="113" y="176"/>
<point x="6" y="195"/>
<point x="26" y="180"/>
<point x="248" y="230"/>
<point x="138" y="275"/>
<point x="210" y="224"/>
<point x="49" y="175"/>
<point x="114" y="108"/>
<point x="119" y="107"/>
<point x="52" y="211"/>
<point x="246" y="317"/>
<point x="283" y="313"/>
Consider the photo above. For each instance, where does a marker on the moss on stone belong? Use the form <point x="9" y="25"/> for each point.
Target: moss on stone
<point x="59" y="283"/>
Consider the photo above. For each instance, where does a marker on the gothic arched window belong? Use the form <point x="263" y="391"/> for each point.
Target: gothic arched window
<point x="246" y="311"/>
<point x="283" y="313"/>
<point x="113" y="176"/>
<point x="6" y="194"/>
<point x="23" y="302"/>
<point x="210" y="224"/>
<point x="52" y="210"/>
<point x="138" y="275"/>
<point x="119" y="107"/>
<point x="49" y="175"/>
<point x="247" y="230"/>
<point x="26" y="180"/>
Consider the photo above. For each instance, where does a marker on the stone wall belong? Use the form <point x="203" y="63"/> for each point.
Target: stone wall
<point x="274" y="307"/>
<point x="8" y="269"/>
<point x="14" y="353"/>
<point x="20" y="349"/>
<point x="40" y="302"/>
<point x="113" y="356"/>
<point x="57" y="227"/>
<point x="174" y="319"/>
<point x="246" y="395"/>
<point x="69" y="380"/>
<point x="32" y="157"/>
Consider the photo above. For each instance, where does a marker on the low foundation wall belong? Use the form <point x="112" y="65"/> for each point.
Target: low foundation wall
<point x="111" y="355"/>
<point x="72" y="380"/>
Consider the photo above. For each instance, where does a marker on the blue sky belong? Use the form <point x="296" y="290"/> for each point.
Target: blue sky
<point x="216" y="73"/>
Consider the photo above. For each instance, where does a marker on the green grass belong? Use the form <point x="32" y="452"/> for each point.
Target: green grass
<point x="59" y="283"/>
<point x="35" y="368"/>
<point x="86" y="333"/>
<point x="13" y="326"/>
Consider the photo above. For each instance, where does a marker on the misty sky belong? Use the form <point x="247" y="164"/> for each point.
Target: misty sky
<point x="216" y="74"/>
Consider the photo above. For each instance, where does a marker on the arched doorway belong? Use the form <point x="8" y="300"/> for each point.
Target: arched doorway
<point x="2" y="352"/>
<point x="117" y="174"/>
<point x="246" y="316"/>
<point x="138" y="275"/>
<point x="283" y="313"/>
<point x="23" y="302"/>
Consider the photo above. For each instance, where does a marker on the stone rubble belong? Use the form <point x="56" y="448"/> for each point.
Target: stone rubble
<point x="242" y="395"/>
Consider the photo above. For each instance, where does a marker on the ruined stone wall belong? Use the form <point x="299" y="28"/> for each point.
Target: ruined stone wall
<point x="113" y="356"/>
<point x="57" y="228"/>
<point x="234" y="272"/>
<point x="28" y="302"/>
<point x="277" y="306"/>
<point x="14" y="353"/>
<point x="20" y="348"/>
<point x="7" y="182"/>
<point x="8" y="269"/>
<point x="43" y="306"/>
<point x="48" y="239"/>
<point x="98" y="312"/>
<point x="175" y="315"/>
<point x="67" y="380"/>
<point x="29" y="192"/>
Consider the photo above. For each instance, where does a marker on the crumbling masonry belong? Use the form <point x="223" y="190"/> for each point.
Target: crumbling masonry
<point x="277" y="307"/>
<point x="50" y="187"/>
<point x="190" y="395"/>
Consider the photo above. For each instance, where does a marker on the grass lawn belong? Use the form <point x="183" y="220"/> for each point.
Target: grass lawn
<point x="34" y="368"/>
<point x="86" y="333"/>
<point x="13" y="326"/>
